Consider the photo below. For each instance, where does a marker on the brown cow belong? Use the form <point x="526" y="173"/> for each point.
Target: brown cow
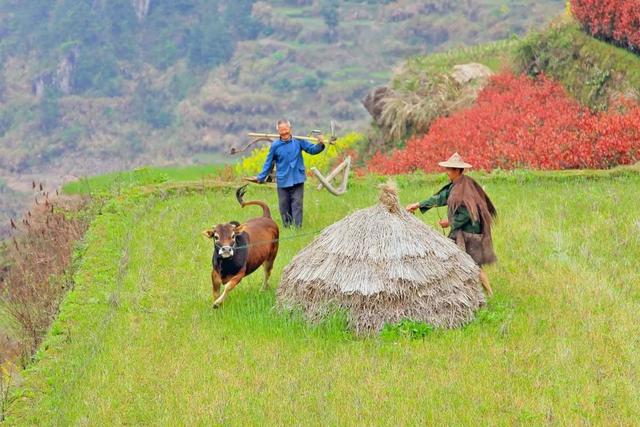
<point x="239" y="249"/>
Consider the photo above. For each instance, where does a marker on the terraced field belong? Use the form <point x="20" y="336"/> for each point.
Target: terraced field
<point x="137" y="341"/>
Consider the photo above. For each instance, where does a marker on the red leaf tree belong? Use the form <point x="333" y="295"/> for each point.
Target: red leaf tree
<point x="615" y="20"/>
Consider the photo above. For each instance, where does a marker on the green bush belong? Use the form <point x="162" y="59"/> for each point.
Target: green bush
<point x="593" y="71"/>
<point x="209" y="46"/>
<point x="97" y="71"/>
<point x="312" y="83"/>
<point x="70" y="136"/>
<point x="49" y="111"/>
<point x="153" y="106"/>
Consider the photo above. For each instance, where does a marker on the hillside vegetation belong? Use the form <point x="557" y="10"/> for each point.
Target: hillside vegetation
<point x="11" y="203"/>
<point x="595" y="73"/>
<point x="523" y="122"/>
<point x="137" y="341"/>
<point x="616" y="21"/>
<point x="88" y="87"/>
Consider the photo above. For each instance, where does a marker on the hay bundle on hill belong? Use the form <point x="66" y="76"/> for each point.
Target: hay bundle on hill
<point x="383" y="265"/>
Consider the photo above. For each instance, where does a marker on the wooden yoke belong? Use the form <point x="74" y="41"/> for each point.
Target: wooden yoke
<point x="269" y="137"/>
<point x="273" y="136"/>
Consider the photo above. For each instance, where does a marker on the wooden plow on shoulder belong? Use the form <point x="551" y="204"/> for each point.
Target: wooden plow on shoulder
<point x="325" y="182"/>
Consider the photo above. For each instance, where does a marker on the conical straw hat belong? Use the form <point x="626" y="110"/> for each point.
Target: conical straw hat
<point x="455" y="161"/>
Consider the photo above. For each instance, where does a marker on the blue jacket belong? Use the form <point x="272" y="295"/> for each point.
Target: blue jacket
<point x="289" y="163"/>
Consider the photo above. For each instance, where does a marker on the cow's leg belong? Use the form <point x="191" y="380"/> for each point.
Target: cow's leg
<point x="228" y="287"/>
<point x="216" y="282"/>
<point x="267" y="266"/>
<point x="484" y="279"/>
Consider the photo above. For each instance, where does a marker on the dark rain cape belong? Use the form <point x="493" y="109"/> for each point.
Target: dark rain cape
<point x="468" y="193"/>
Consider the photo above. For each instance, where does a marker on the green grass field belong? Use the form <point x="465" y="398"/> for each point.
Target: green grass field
<point x="137" y="341"/>
<point x="119" y="181"/>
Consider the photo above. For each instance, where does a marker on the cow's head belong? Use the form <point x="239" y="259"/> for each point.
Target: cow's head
<point x="224" y="237"/>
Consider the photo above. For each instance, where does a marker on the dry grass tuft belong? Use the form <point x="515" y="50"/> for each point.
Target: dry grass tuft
<point x="412" y="112"/>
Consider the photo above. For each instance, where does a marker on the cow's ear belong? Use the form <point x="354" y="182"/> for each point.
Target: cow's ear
<point x="208" y="233"/>
<point x="234" y="223"/>
<point x="241" y="228"/>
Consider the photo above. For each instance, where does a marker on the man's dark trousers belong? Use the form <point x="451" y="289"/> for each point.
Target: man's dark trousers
<point x="290" y="202"/>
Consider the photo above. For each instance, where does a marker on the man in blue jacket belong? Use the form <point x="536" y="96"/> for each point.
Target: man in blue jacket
<point x="290" y="171"/>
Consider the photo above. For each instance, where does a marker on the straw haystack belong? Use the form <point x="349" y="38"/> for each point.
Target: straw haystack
<point x="383" y="265"/>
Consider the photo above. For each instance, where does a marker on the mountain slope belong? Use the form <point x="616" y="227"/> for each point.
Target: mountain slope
<point x="597" y="74"/>
<point x="92" y="86"/>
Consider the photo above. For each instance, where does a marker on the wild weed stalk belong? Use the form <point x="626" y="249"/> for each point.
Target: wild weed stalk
<point x="5" y="386"/>
<point x="37" y="271"/>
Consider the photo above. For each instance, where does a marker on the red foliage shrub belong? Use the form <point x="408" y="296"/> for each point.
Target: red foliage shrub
<point x="518" y="122"/>
<point x="617" y="20"/>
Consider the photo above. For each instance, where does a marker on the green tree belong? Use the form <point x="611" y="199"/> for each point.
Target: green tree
<point x="152" y="106"/>
<point x="49" y="111"/>
<point x="331" y="17"/>
<point x="70" y="136"/>
<point x="96" y="70"/>
<point x="122" y="28"/>
<point x="75" y="21"/>
<point x="312" y="83"/>
<point x="27" y="23"/>
<point x="134" y="143"/>
<point x="238" y="14"/>
<point x="210" y="43"/>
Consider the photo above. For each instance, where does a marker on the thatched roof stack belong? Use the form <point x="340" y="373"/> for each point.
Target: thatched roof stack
<point x="383" y="265"/>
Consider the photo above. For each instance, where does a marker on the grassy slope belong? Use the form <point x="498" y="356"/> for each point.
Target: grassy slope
<point x="593" y="71"/>
<point x="137" y="341"/>
<point x="120" y="181"/>
<point x="495" y="55"/>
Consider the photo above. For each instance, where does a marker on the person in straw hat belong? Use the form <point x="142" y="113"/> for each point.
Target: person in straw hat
<point x="470" y="214"/>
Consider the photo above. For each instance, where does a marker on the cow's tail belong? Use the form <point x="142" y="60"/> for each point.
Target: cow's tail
<point x="266" y="212"/>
